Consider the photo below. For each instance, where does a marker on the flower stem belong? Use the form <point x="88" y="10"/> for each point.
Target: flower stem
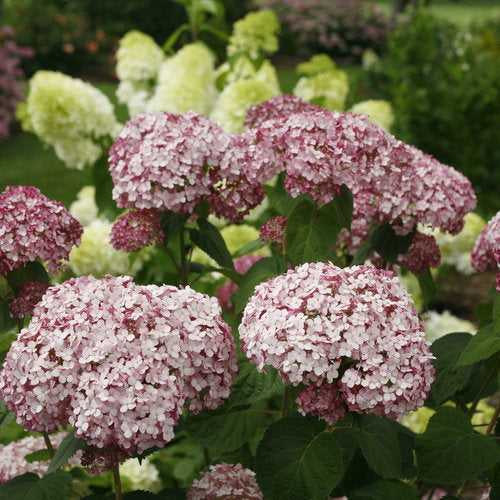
<point x="117" y="481"/>
<point x="48" y="444"/>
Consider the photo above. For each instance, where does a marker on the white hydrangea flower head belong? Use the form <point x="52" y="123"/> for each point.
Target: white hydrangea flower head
<point x="328" y="89"/>
<point x="70" y="115"/>
<point x="137" y="476"/>
<point x="319" y="63"/>
<point x="84" y="208"/>
<point x="135" y="95"/>
<point x="138" y="57"/>
<point x="379" y="112"/>
<point x="255" y="35"/>
<point x="96" y="255"/>
<point x="185" y="82"/>
<point x="231" y="106"/>
<point x="438" y="324"/>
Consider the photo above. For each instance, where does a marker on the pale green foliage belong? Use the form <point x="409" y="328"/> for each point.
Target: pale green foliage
<point x="70" y="115"/>
<point x="255" y="34"/>
<point x="379" y="112"/>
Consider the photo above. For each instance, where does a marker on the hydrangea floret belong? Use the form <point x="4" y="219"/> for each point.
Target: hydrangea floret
<point x="486" y="251"/>
<point x="27" y="298"/>
<point x="422" y="254"/>
<point x="32" y="227"/>
<point x="118" y="362"/>
<point x="274" y="229"/>
<point x="352" y="336"/>
<point x="225" y="482"/>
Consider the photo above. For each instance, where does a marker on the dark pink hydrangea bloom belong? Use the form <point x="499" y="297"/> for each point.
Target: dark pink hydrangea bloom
<point x="307" y="322"/>
<point x="324" y="401"/>
<point x="486" y="251"/>
<point x="281" y="106"/>
<point x="30" y="294"/>
<point x="423" y="253"/>
<point x="137" y="229"/>
<point x="274" y="229"/>
<point x="241" y="265"/>
<point x="160" y="160"/>
<point x="13" y="463"/>
<point x="118" y="362"/>
<point x="32" y="227"/>
<point x="226" y="482"/>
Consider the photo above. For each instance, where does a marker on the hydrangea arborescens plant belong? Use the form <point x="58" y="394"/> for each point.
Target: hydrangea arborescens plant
<point x="351" y="334"/>
<point x="118" y="362"/>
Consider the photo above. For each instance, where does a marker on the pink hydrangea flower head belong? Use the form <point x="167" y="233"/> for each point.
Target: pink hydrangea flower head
<point x="315" y="318"/>
<point x="137" y="229"/>
<point x="28" y="297"/>
<point x="32" y="227"/>
<point x="281" y="106"/>
<point x="225" y="482"/>
<point x="324" y="401"/>
<point x="13" y="463"/>
<point x="118" y="362"/>
<point x="274" y="229"/>
<point x="423" y="253"/>
<point x="241" y="265"/>
<point x="160" y="160"/>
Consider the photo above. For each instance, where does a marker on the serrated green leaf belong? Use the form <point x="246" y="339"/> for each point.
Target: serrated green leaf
<point x="343" y="205"/>
<point x="449" y="451"/>
<point x="251" y="386"/>
<point x="385" y="490"/>
<point x="388" y="244"/>
<point x="68" y="447"/>
<point x="311" y="232"/>
<point x="297" y="459"/>
<point x="262" y="270"/>
<point x="171" y="223"/>
<point x="31" y="271"/>
<point x="29" y="486"/>
<point x="406" y="440"/>
<point x="483" y="345"/>
<point x="220" y="430"/>
<point x="379" y="444"/>
<point x="449" y="378"/>
<point x="38" y="456"/>
<point x="209" y="239"/>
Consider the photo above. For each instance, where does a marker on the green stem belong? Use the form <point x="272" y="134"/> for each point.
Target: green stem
<point x="285" y="401"/>
<point x="266" y="412"/>
<point x="48" y="444"/>
<point x="493" y="420"/>
<point x="493" y="372"/>
<point x="117" y="482"/>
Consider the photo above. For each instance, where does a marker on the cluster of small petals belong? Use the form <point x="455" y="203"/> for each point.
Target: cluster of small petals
<point x="307" y="322"/>
<point x="118" y="362"/>
<point x="33" y="227"/>
<point x="325" y="402"/>
<point x="159" y="160"/>
<point x="280" y="106"/>
<point x="137" y="229"/>
<point x="486" y="251"/>
<point x="422" y="254"/>
<point x="28" y="297"/>
<point x="241" y="265"/>
<point x="226" y="482"/>
<point x="12" y="456"/>
<point x="273" y="230"/>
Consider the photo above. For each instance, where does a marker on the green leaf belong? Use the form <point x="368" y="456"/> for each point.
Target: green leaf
<point x="406" y="440"/>
<point x="363" y="253"/>
<point x="379" y="444"/>
<point x="343" y="206"/>
<point x="279" y="199"/>
<point x="6" y="416"/>
<point x="38" y="456"/>
<point x="220" y="430"/>
<point x="29" y="486"/>
<point x="297" y="459"/>
<point x="32" y="271"/>
<point x="385" y="490"/>
<point x="251" y="386"/>
<point x="170" y="41"/>
<point x="449" y="378"/>
<point x="171" y="223"/>
<point x="6" y="325"/>
<point x="481" y="346"/>
<point x="311" y="232"/>
<point x="103" y="183"/>
<point x="68" y="447"/>
<point x="251" y="247"/>
<point x="449" y="451"/>
<point x="262" y="270"/>
<point x="496" y="316"/>
<point x="388" y="244"/>
<point x="209" y="239"/>
<point x="427" y="285"/>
